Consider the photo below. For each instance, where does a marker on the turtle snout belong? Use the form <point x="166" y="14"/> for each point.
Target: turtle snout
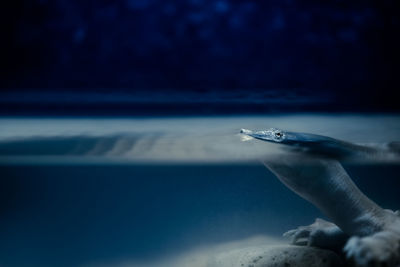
<point x="245" y="131"/>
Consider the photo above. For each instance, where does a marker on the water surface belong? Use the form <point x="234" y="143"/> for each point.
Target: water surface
<point x="147" y="191"/>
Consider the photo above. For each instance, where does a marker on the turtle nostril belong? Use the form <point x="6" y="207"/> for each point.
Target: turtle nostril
<point x="245" y="131"/>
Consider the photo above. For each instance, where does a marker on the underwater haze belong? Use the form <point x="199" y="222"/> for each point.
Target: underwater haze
<point x="161" y="191"/>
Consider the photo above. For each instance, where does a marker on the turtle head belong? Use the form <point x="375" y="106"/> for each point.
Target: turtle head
<point x="271" y="135"/>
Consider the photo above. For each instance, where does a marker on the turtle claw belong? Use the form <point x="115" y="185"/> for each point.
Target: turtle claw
<point x="321" y="234"/>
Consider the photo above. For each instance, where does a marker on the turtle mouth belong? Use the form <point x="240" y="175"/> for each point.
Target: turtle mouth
<point x="270" y="135"/>
<point x="245" y="131"/>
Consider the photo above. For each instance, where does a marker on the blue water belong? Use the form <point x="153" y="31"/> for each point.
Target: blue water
<point x="182" y="184"/>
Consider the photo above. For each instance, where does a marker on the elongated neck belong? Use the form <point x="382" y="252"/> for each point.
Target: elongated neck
<point x="341" y="200"/>
<point x="327" y="185"/>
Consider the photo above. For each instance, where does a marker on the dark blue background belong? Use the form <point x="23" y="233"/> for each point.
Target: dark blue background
<point x="333" y="55"/>
<point x="69" y="215"/>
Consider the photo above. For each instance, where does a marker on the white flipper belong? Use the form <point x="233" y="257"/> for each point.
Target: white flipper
<point x="379" y="249"/>
<point x="321" y="234"/>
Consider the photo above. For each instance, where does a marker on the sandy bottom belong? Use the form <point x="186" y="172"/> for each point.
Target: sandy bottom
<point x="211" y="255"/>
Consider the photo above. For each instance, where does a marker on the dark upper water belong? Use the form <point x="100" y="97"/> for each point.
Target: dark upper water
<point x="90" y="192"/>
